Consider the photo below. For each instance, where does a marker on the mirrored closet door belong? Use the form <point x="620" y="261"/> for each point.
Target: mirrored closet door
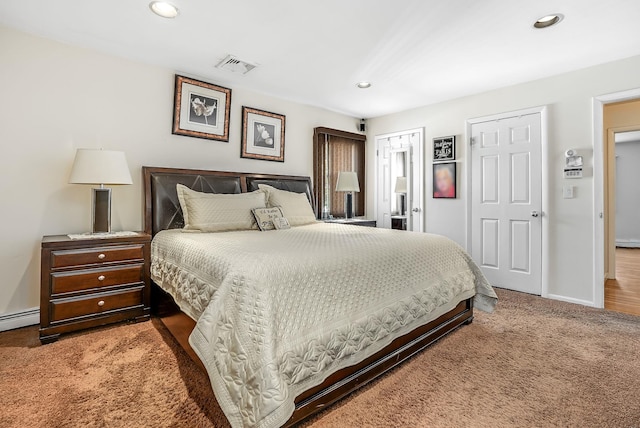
<point x="399" y="191"/>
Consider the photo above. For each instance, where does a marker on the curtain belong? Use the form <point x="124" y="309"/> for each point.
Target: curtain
<point x="332" y="155"/>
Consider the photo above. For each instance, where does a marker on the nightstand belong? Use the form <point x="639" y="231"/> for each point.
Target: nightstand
<point x="90" y="282"/>
<point x="356" y="221"/>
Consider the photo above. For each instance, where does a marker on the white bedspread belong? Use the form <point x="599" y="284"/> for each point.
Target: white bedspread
<point x="279" y="311"/>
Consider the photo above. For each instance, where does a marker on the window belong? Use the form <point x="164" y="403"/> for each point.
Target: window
<point x="335" y="151"/>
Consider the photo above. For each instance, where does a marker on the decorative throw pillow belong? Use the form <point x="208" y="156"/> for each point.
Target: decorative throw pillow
<point x="295" y="206"/>
<point x="267" y="217"/>
<point x="281" y="223"/>
<point x="218" y="212"/>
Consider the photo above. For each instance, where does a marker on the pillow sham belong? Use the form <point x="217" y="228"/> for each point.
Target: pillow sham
<point x="295" y="206"/>
<point x="219" y="212"/>
<point x="266" y="217"/>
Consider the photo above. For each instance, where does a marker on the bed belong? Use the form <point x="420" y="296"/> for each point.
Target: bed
<point x="229" y="293"/>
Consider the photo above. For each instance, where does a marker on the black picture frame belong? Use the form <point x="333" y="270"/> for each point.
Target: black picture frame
<point x="445" y="184"/>
<point x="201" y="109"/>
<point x="444" y="149"/>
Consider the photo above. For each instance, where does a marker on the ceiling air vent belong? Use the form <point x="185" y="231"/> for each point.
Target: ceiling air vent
<point x="234" y="65"/>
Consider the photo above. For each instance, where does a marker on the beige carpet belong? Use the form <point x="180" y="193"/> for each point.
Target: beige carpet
<point x="533" y="363"/>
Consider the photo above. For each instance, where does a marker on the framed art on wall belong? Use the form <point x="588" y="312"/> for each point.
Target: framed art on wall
<point x="444" y="149"/>
<point x="444" y="180"/>
<point x="262" y="135"/>
<point x="201" y="109"/>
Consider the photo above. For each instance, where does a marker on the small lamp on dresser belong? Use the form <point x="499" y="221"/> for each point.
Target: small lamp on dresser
<point x="97" y="166"/>
<point x="348" y="183"/>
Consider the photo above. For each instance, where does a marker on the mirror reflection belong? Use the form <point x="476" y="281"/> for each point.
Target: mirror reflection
<point x="399" y="183"/>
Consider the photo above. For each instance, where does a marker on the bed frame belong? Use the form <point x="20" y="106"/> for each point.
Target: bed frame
<point x="162" y="211"/>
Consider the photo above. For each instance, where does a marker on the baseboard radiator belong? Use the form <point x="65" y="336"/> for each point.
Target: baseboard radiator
<point x="628" y="243"/>
<point x="20" y="319"/>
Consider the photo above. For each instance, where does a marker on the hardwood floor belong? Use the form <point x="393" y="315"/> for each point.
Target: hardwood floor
<point x="623" y="293"/>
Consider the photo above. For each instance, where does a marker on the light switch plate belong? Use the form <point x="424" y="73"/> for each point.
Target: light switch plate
<point x="567" y="192"/>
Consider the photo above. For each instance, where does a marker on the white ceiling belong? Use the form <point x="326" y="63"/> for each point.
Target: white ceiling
<point x="415" y="52"/>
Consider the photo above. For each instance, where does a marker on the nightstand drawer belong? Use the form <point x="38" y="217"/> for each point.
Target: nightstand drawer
<point x="89" y="256"/>
<point x="80" y="280"/>
<point x="95" y="304"/>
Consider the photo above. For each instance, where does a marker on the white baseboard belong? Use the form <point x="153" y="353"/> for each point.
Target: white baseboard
<point x="20" y="319"/>
<point x="628" y="243"/>
<point x="570" y="300"/>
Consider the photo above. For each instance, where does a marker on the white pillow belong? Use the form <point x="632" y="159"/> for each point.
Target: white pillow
<point x="295" y="206"/>
<point x="218" y="212"/>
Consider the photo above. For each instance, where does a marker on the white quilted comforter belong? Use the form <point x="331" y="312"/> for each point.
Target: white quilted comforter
<point x="279" y="311"/>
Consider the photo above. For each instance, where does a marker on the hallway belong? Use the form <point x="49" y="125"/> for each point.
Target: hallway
<point x="623" y="293"/>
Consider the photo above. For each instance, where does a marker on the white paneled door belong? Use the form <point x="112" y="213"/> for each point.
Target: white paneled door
<point x="506" y="198"/>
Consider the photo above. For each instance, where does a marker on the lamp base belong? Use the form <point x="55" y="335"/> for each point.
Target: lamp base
<point x="101" y="211"/>
<point x="348" y="205"/>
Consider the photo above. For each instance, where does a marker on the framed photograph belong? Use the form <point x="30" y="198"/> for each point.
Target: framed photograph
<point x="262" y="135"/>
<point x="444" y="149"/>
<point x="444" y="180"/>
<point x="201" y="109"/>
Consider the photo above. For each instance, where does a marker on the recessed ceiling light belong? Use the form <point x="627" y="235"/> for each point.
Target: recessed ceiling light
<point x="163" y="9"/>
<point x="548" y="20"/>
<point x="364" y="85"/>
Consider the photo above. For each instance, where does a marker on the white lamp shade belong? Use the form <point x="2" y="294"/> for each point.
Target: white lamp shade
<point x="401" y="185"/>
<point x="94" y="166"/>
<point x="347" y="182"/>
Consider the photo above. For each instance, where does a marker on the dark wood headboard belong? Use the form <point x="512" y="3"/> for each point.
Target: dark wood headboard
<point x="162" y="208"/>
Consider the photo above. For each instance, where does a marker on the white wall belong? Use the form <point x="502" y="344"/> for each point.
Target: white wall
<point x="628" y="194"/>
<point x="55" y="98"/>
<point x="569" y="100"/>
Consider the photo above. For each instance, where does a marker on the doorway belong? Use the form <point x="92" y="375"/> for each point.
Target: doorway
<point x="601" y="125"/>
<point x="400" y="178"/>
<point x="622" y="196"/>
<point x="626" y="233"/>
<point x="507" y="199"/>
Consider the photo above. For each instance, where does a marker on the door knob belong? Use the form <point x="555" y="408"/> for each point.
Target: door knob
<point x="534" y="214"/>
<point x="416" y="210"/>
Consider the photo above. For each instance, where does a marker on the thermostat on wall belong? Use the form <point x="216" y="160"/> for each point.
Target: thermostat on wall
<point x="573" y="164"/>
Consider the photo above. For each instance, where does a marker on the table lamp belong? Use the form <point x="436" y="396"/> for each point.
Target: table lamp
<point x="97" y="166"/>
<point x="401" y="189"/>
<point x="348" y="183"/>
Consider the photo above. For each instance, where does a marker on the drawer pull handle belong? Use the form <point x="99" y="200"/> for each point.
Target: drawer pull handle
<point x="101" y="256"/>
<point x="101" y="303"/>
<point x="101" y="278"/>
